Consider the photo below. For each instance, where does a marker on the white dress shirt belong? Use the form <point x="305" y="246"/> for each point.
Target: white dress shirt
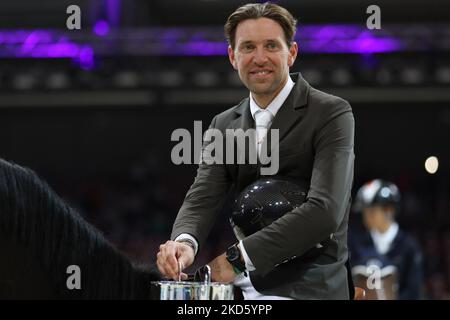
<point x="242" y="280"/>
<point x="383" y="241"/>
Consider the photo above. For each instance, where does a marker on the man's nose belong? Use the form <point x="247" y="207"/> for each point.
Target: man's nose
<point x="260" y="56"/>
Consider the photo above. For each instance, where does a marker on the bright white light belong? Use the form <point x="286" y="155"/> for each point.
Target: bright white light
<point x="432" y="165"/>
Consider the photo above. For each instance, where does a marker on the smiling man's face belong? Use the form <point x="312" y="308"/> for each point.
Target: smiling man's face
<point x="262" y="57"/>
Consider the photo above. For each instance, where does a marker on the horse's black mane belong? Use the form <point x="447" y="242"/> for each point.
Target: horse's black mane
<point x="56" y="236"/>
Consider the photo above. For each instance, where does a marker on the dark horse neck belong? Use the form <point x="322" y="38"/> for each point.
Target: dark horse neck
<point x="41" y="236"/>
<point x="21" y="275"/>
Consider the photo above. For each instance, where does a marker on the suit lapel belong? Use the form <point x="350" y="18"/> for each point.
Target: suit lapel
<point x="292" y="110"/>
<point x="243" y="121"/>
<point x="244" y="118"/>
<point x="247" y="172"/>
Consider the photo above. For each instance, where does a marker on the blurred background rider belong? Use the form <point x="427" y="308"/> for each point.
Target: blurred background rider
<point x="383" y="244"/>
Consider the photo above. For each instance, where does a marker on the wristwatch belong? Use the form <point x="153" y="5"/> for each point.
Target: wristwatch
<point x="234" y="258"/>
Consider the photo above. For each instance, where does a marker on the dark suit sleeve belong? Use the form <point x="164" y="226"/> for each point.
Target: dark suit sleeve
<point x="328" y="197"/>
<point x="203" y="201"/>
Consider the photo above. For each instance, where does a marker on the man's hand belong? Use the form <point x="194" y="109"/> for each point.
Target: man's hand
<point x="170" y="255"/>
<point x="221" y="269"/>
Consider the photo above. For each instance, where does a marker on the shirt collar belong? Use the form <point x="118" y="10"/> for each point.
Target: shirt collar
<point x="383" y="241"/>
<point x="276" y="103"/>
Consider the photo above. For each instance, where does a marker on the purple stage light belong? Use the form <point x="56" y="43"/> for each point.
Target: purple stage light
<point x="345" y="39"/>
<point x="101" y="28"/>
<point x="372" y="45"/>
<point x="170" y="34"/>
<point x="200" y="48"/>
<point x="30" y="42"/>
<point x="86" y="58"/>
<point x="44" y="44"/>
<point x="113" y="11"/>
<point x="177" y="41"/>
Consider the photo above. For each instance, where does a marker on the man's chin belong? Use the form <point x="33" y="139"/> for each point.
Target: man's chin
<point x="261" y="88"/>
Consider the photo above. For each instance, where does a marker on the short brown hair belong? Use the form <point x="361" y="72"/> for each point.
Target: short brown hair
<point x="261" y="10"/>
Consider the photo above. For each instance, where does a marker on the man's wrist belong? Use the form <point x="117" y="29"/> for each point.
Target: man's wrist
<point x="187" y="236"/>
<point x="188" y="242"/>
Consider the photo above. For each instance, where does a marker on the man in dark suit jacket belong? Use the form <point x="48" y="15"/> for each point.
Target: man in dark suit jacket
<point x="316" y="133"/>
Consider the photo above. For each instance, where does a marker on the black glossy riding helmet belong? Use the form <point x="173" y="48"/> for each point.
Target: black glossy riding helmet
<point x="263" y="202"/>
<point x="377" y="192"/>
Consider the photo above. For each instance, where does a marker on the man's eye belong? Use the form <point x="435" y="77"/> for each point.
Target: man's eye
<point x="272" y="45"/>
<point x="248" y="47"/>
